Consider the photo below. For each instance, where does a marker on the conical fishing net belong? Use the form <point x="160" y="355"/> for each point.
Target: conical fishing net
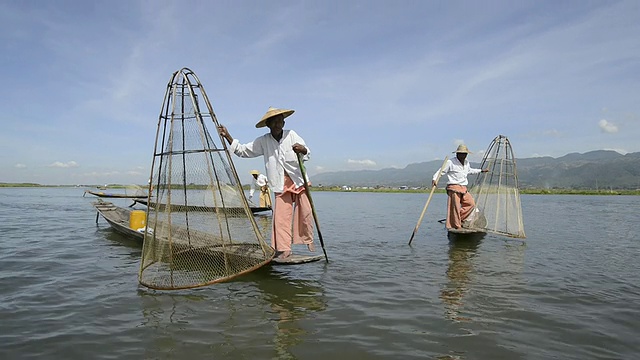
<point x="200" y="229"/>
<point x="496" y="192"/>
<point x="135" y="191"/>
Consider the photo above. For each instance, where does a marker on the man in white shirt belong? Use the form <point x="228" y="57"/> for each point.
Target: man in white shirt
<point x="460" y="203"/>
<point x="280" y="149"/>
<point x="260" y="182"/>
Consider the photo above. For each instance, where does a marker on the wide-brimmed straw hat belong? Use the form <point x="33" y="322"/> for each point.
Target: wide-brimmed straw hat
<point x="462" y="148"/>
<point x="254" y="172"/>
<point x="271" y="113"/>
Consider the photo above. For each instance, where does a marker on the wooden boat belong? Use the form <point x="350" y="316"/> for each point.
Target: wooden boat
<point x="180" y="207"/>
<point x="467" y="231"/>
<point x="296" y="259"/>
<point x="112" y="195"/>
<point x="465" y="235"/>
<point x="476" y="223"/>
<point x="118" y="218"/>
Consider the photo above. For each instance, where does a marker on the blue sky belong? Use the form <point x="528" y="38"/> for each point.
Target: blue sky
<point x="375" y="84"/>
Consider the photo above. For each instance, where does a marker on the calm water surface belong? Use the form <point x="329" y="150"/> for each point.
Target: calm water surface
<point x="68" y="287"/>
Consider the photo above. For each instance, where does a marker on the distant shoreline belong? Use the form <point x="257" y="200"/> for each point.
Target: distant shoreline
<point x="522" y="191"/>
<point x="379" y="190"/>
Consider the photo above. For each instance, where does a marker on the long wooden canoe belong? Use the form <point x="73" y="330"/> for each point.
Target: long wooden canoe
<point x="467" y="231"/>
<point x="113" y="195"/>
<point x="180" y="207"/>
<point x="118" y="218"/>
<point x="296" y="259"/>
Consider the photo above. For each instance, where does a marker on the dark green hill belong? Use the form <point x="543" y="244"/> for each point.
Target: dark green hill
<point x="600" y="169"/>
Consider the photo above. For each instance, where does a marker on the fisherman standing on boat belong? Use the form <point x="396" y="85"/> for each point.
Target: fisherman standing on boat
<point x="279" y="149"/>
<point x="460" y="203"/>
<point x="260" y="182"/>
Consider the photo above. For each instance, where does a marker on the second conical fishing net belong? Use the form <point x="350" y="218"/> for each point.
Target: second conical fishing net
<point x="200" y="229"/>
<point x="496" y="192"/>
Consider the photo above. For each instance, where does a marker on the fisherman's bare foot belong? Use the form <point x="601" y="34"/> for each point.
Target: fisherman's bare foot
<point x="284" y="254"/>
<point x="312" y="247"/>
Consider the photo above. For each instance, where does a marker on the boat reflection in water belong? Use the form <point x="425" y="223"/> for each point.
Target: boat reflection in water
<point x="462" y="250"/>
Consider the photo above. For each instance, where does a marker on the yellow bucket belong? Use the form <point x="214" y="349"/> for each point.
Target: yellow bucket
<point x="137" y="219"/>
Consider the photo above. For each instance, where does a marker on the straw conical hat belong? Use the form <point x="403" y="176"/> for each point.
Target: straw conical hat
<point x="254" y="172"/>
<point x="271" y="113"/>
<point x="462" y="148"/>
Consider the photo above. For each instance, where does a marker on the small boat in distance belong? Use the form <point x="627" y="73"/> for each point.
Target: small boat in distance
<point x="114" y="195"/>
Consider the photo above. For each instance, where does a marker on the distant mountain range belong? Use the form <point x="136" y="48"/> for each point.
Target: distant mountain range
<point x="600" y="169"/>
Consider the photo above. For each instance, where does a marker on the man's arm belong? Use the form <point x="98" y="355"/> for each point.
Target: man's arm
<point x="442" y="172"/>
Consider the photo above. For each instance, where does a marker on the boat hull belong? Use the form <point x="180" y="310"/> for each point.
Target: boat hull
<point x="118" y="218"/>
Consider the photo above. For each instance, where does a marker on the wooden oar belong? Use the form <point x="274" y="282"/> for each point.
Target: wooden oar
<point x="313" y="208"/>
<point x="428" y="200"/>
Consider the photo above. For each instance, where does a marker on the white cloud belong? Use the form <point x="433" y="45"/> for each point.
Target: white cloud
<point x="362" y="162"/>
<point x="21" y="166"/>
<point x="608" y="127"/>
<point x="70" y="164"/>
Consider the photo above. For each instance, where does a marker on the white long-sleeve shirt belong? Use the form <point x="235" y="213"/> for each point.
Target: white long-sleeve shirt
<point x="278" y="157"/>
<point x="457" y="172"/>
<point x="257" y="183"/>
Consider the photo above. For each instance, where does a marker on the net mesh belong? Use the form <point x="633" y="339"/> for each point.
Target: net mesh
<point x="200" y="229"/>
<point x="496" y="192"/>
<point x="135" y="191"/>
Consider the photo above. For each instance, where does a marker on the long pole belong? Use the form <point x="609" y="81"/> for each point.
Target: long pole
<point x="428" y="200"/>
<point x="313" y="208"/>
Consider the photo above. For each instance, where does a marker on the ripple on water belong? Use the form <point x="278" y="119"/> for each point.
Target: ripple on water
<point x="68" y="288"/>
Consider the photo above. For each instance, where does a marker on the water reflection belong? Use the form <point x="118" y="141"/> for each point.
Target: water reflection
<point x="270" y="305"/>
<point x="168" y="316"/>
<point x="462" y="250"/>
<point x="291" y="302"/>
<point x="117" y="240"/>
<point x="263" y="221"/>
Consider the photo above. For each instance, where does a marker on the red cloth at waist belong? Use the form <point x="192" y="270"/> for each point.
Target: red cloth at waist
<point x="290" y="186"/>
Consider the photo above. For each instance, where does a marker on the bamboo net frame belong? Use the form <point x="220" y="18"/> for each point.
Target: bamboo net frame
<point x="200" y="228"/>
<point x="496" y="192"/>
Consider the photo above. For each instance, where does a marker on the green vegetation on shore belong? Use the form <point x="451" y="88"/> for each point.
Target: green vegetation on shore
<point x="24" y="185"/>
<point x="578" y="192"/>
